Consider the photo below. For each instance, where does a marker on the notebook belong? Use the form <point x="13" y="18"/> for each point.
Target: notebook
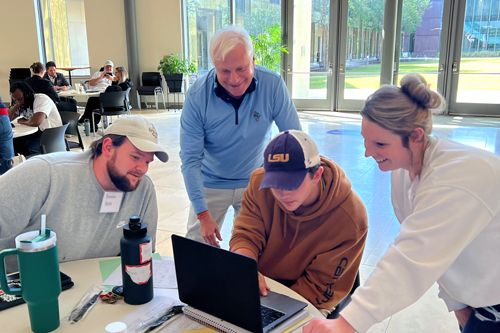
<point x="221" y="289"/>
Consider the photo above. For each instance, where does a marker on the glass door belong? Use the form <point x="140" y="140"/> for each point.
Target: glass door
<point x="361" y="40"/>
<point x="423" y="41"/>
<point x="309" y="66"/>
<point x="475" y="63"/>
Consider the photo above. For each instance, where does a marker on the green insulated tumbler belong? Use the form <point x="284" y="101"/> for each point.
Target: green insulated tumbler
<point x="40" y="278"/>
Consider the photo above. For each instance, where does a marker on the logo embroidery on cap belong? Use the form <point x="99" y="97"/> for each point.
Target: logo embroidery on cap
<point x="152" y="129"/>
<point x="256" y="115"/>
<point x="278" y="158"/>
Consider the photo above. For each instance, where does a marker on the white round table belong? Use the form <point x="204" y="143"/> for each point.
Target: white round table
<point x="22" y="130"/>
<point x="74" y="93"/>
<point x="86" y="273"/>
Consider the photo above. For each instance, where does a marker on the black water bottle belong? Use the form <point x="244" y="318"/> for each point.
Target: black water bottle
<point x="137" y="263"/>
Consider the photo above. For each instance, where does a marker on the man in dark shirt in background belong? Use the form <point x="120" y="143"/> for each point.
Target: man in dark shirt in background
<point x="57" y="79"/>
<point x="42" y="86"/>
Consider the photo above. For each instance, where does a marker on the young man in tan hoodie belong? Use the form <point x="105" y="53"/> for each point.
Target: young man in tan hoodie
<point x="302" y="222"/>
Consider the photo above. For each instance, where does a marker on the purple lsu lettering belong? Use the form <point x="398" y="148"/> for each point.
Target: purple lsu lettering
<point x="329" y="292"/>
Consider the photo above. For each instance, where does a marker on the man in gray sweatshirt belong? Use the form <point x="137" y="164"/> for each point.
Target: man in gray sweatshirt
<point x="87" y="197"/>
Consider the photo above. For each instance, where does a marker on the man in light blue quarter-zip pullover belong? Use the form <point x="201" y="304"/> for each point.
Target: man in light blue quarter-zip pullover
<point x="225" y="126"/>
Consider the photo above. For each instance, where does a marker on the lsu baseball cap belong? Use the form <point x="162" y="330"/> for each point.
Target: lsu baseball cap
<point x="141" y="132"/>
<point x="108" y="63"/>
<point x="286" y="160"/>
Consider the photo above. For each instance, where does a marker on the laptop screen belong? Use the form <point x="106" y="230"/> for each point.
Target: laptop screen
<point x="218" y="282"/>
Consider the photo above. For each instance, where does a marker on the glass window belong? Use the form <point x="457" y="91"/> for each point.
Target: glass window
<point x="310" y="49"/>
<point x="262" y="21"/>
<point x="479" y="76"/>
<point x="64" y="34"/>
<point x="206" y="17"/>
<point x="421" y="39"/>
<point x="363" y="49"/>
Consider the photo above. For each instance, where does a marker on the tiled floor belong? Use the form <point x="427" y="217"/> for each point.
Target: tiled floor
<point x="338" y="138"/>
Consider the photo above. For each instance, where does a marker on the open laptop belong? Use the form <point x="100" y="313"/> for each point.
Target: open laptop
<point x="225" y="285"/>
<point x="88" y="90"/>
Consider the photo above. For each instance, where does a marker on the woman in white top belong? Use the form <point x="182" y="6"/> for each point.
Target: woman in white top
<point x="446" y="197"/>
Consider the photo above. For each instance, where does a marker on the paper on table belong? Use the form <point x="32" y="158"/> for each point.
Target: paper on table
<point x="163" y="275"/>
<point x="156" y="308"/>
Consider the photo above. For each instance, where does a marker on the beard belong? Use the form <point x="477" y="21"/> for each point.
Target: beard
<point x="121" y="182"/>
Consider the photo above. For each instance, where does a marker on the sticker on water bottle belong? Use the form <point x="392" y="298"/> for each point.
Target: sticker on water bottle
<point x="139" y="274"/>
<point x="146" y="252"/>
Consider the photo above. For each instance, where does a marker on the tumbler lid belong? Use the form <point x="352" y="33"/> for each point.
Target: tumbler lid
<point x="116" y="327"/>
<point x="37" y="245"/>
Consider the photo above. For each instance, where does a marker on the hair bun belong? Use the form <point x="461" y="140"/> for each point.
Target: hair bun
<point x="415" y="87"/>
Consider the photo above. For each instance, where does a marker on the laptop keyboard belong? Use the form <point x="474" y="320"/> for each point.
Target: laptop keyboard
<point x="269" y="315"/>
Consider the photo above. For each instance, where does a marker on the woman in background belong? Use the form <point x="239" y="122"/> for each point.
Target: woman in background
<point x="43" y="86"/>
<point x="121" y="79"/>
<point x="446" y="197"/>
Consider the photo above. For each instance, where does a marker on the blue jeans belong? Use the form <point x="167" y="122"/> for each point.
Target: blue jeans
<point x="6" y="147"/>
<point x="483" y="320"/>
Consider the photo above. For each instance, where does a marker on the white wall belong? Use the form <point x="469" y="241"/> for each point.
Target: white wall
<point x="158" y="31"/>
<point x="18" y="38"/>
<point x="158" y="34"/>
<point x="105" y="33"/>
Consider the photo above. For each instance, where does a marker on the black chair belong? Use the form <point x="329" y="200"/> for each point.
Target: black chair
<point x="71" y="118"/>
<point x="18" y="74"/>
<point x="113" y="103"/>
<point x="151" y="85"/>
<point x="343" y="303"/>
<point x="53" y="140"/>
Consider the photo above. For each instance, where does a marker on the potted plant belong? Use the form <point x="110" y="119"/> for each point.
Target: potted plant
<point x="174" y="68"/>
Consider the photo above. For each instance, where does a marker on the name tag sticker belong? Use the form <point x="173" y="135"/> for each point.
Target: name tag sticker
<point x="111" y="202"/>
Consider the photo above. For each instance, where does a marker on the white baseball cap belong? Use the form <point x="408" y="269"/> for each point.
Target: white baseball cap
<point x="108" y="63"/>
<point x="141" y="132"/>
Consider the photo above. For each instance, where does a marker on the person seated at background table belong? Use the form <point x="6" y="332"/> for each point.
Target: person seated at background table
<point x="36" y="110"/>
<point x="121" y="79"/>
<point x="445" y="195"/>
<point x="225" y="124"/>
<point x="6" y="146"/>
<point x="57" y="79"/>
<point x="43" y="86"/>
<point x="71" y="190"/>
<point x="302" y="222"/>
<point x="121" y="82"/>
<point x="103" y="79"/>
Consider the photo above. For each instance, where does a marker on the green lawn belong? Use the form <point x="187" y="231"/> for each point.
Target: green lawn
<point x="362" y="77"/>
